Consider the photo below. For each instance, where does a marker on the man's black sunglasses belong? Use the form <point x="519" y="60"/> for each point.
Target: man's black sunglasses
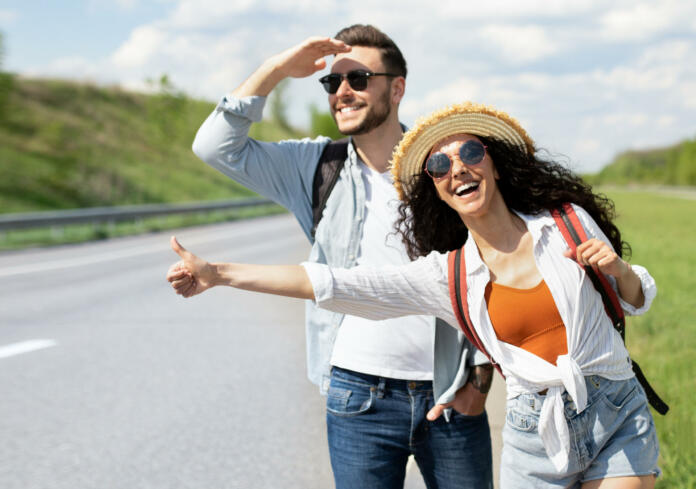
<point x="357" y="79"/>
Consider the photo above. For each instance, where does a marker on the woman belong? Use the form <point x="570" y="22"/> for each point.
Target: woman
<point x="467" y="175"/>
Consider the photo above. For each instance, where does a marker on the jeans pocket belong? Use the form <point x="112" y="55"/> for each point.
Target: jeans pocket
<point x="521" y="421"/>
<point x="348" y="402"/>
<point x="619" y="393"/>
<point x="457" y="416"/>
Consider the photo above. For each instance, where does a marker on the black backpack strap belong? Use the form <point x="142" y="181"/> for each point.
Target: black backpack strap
<point x="571" y="229"/>
<point x="326" y="175"/>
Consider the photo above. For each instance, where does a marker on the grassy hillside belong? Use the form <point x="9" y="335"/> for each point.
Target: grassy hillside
<point x="68" y="145"/>
<point x="675" y="165"/>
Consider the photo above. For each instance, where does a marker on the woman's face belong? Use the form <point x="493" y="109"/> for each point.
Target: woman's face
<point x="468" y="188"/>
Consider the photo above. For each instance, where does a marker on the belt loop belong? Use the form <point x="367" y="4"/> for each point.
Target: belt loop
<point x="381" y="387"/>
<point x="537" y="403"/>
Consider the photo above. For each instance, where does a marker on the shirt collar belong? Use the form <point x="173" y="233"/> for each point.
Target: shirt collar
<point x="535" y="223"/>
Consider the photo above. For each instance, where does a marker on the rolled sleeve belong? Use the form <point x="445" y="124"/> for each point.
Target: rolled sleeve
<point x="281" y="171"/>
<point x="249" y="107"/>
<point x="322" y="281"/>
<point x="649" y="287"/>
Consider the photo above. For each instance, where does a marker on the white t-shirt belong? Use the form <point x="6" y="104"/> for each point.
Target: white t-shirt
<point x="400" y="348"/>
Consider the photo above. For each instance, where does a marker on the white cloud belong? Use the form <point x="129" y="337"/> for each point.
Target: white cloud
<point x="641" y="21"/>
<point x="520" y="44"/>
<point x="8" y="16"/>
<point x="647" y="101"/>
<point x="666" y="121"/>
<point x="498" y="10"/>
<point x="144" y="43"/>
<point x="206" y="13"/>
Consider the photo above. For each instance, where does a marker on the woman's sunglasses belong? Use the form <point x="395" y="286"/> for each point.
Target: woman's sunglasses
<point x="439" y="164"/>
<point x="357" y="79"/>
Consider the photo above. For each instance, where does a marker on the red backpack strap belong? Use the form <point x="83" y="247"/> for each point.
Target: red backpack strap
<point x="456" y="278"/>
<point x="574" y="234"/>
<point x="571" y="228"/>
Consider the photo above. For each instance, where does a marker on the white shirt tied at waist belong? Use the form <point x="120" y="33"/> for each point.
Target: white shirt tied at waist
<point x="421" y="287"/>
<point x="553" y="427"/>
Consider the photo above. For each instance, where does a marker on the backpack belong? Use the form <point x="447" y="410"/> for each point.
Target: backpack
<point x="326" y="175"/>
<point x="574" y="234"/>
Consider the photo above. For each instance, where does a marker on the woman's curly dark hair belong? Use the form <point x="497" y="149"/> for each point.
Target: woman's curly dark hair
<point x="528" y="185"/>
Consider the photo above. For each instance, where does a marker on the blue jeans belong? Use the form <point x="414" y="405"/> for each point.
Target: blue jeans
<point x="375" y="423"/>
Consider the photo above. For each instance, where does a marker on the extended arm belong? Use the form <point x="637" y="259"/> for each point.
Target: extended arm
<point x="415" y="288"/>
<point x="193" y="275"/>
<point x="280" y="171"/>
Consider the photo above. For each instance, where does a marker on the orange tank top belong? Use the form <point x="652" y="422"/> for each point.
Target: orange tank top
<point x="527" y="318"/>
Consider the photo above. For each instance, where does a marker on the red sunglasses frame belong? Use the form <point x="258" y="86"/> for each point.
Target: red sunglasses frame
<point x="449" y="170"/>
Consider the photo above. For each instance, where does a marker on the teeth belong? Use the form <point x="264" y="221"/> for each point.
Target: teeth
<point x="463" y="188"/>
<point x="348" y="109"/>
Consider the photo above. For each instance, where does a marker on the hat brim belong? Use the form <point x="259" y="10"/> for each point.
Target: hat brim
<point x="475" y="119"/>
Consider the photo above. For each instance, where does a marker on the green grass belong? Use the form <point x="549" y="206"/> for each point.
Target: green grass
<point x="661" y="233"/>
<point x="69" y="145"/>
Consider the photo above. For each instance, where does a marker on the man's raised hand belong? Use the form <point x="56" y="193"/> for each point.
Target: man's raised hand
<point x="307" y="57"/>
<point x="299" y="61"/>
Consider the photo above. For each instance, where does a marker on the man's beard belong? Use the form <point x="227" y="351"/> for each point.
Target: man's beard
<point x="374" y="118"/>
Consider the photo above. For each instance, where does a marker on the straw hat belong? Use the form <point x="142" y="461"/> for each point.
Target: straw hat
<point x="469" y="118"/>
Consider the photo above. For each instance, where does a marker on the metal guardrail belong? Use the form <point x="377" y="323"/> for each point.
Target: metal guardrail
<point x="27" y="220"/>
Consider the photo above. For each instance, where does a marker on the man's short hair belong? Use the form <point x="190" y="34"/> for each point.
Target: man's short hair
<point x="371" y="37"/>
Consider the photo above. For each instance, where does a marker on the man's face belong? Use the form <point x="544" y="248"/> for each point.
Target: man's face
<point x="359" y="112"/>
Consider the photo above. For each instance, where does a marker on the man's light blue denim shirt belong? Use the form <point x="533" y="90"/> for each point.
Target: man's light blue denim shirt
<point x="283" y="172"/>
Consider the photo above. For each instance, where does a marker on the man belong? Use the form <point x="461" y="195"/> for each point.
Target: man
<point x="378" y="374"/>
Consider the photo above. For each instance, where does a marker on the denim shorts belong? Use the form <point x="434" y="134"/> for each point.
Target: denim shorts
<point x="613" y="437"/>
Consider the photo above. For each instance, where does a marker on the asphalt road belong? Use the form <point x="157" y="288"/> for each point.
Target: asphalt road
<point x="109" y="380"/>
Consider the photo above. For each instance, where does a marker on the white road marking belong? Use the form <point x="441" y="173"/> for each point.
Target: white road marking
<point x="118" y="254"/>
<point x="25" y="347"/>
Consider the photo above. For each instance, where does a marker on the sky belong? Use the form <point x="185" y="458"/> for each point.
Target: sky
<point x="588" y="79"/>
